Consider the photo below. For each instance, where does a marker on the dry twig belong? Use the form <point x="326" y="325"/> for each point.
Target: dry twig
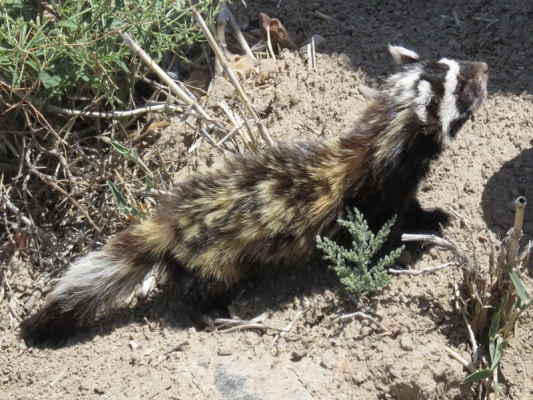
<point x="174" y="87"/>
<point x="94" y="114"/>
<point x="237" y="33"/>
<point x="422" y="271"/>
<point x="231" y="325"/>
<point x="469" y="366"/>
<point x="289" y="326"/>
<point x="167" y="354"/>
<point x="233" y="78"/>
<point x="26" y="221"/>
<point x="325" y="17"/>
<point x="164" y="77"/>
<point x="357" y="315"/>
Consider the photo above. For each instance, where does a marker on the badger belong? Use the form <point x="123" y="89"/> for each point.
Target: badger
<point x="267" y="208"/>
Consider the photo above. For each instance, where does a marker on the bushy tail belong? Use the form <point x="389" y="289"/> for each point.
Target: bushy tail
<point x="93" y="284"/>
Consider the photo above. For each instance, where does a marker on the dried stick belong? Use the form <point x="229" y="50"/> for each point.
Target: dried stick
<point x="269" y="44"/>
<point x="491" y="20"/>
<point x="472" y="336"/>
<point x="167" y="354"/>
<point x="237" y="122"/>
<point x="313" y="53"/>
<point x="93" y="114"/>
<point x="289" y="326"/>
<point x="36" y="294"/>
<point x="233" y="78"/>
<point x="104" y="114"/>
<point x="238" y="34"/>
<point x="325" y="17"/>
<point x="469" y="366"/>
<point x="182" y="95"/>
<point x="357" y="315"/>
<point x="230" y="134"/>
<point x="168" y="387"/>
<point x="26" y="221"/>
<point x="426" y="239"/>
<point x="441" y="243"/>
<point x="516" y="232"/>
<point x="456" y="18"/>
<point x="240" y="324"/>
<point x="49" y="180"/>
<point x="422" y="271"/>
<point x="164" y="77"/>
<point x="460" y="217"/>
<point x="210" y="140"/>
<point x="59" y="376"/>
<point x="11" y="302"/>
<point x="222" y="22"/>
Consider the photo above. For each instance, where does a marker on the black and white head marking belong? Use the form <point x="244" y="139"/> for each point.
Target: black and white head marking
<point x="465" y="90"/>
<point x="448" y="110"/>
<point x="442" y="94"/>
<point x="403" y="85"/>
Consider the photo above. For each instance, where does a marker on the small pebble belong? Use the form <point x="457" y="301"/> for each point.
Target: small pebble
<point x="99" y="390"/>
<point x="406" y="343"/>
<point x="298" y="355"/>
<point x="224" y="351"/>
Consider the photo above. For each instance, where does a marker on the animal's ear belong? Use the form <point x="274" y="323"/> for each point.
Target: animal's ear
<point x="402" y="55"/>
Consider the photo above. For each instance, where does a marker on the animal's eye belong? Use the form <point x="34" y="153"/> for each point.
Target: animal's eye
<point x="461" y="86"/>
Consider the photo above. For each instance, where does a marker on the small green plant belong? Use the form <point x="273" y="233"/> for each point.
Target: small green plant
<point x="128" y="210"/>
<point x="134" y="156"/>
<point x="353" y="266"/>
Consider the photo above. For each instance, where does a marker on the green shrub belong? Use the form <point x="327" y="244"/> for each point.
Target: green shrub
<point x="353" y="266"/>
<point x="71" y="49"/>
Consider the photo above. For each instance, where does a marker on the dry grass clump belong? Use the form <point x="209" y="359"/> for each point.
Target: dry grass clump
<point x="83" y="88"/>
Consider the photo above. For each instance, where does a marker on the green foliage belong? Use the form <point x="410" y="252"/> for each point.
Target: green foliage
<point x="125" y="208"/>
<point x="353" y="265"/>
<point x="520" y="289"/>
<point x="497" y="344"/>
<point x="130" y="211"/>
<point x="134" y="156"/>
<point x="62" y="49"/>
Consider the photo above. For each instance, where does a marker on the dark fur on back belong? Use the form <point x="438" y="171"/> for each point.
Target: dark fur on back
<point x="267" y="208"/>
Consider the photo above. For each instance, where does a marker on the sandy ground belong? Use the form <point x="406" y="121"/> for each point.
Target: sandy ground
<point x="151" y="351"/>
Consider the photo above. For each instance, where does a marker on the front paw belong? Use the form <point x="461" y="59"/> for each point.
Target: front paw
<point x="437" y="217"/>
<point x="428" y="220"/>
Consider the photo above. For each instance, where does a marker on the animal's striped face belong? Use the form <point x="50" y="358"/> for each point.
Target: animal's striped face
<point x="465" y="91"/>
<point x="443" y="93"/>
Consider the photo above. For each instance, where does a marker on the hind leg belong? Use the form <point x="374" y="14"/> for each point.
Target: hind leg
<point x="203" y="296"/>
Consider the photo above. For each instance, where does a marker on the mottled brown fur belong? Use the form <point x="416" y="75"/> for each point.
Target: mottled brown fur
<point x="267" y="208"/>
